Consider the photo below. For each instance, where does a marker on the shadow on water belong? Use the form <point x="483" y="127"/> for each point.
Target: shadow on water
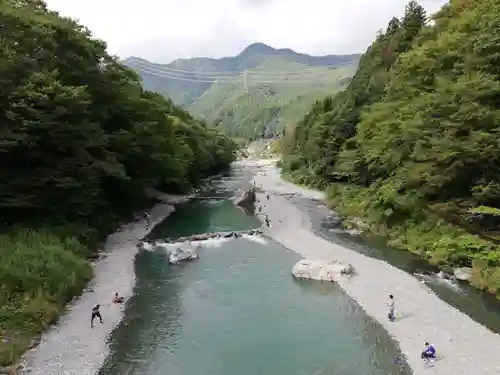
<point x="198" y="217"/>
<point x="212" y="214"/>
<point x="482" y="307"/>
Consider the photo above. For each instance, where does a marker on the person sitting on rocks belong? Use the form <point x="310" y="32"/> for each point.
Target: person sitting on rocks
<point x="118" y="299"/>
<point x="429" y="352"/>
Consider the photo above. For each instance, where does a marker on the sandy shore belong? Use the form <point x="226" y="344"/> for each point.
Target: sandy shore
<point x="464" y="347"/>
<point x="71" y="347"/>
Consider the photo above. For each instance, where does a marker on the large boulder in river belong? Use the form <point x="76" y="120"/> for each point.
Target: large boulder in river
<point x="321" y="270"/>
<point x="333" y="221"/>
<point x="462" y="273"/>
<point x="181" y="253"/>
<point x="247" y="198"/>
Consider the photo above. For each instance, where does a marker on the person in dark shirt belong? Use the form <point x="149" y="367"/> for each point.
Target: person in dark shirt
<point x="147" y="216"/>
<point x="118" y="299"/>
<point x="429" y="352"/>
<point x="95" y="314"/>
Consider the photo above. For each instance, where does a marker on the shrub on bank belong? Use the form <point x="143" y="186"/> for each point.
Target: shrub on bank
<point x="422" y="233"/>
<point x="40" y="271"/>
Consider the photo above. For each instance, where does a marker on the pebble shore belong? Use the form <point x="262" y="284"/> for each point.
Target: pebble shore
<point x="71" y="347"/>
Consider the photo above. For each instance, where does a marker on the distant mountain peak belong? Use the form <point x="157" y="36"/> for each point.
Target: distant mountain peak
<point x="255" y="48"/>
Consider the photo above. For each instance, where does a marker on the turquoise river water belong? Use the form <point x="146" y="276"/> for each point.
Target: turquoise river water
<point x="238" y="310"/>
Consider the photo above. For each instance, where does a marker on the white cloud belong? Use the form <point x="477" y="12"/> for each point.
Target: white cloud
<point x="163" y="30"/>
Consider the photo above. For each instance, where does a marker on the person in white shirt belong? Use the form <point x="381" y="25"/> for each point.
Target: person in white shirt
<point x="392" y="308"/>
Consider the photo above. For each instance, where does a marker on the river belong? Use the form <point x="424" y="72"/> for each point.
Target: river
<point x="238" y="310"/>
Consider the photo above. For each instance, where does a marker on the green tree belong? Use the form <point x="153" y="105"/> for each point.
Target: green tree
<point x="80" y="143"/>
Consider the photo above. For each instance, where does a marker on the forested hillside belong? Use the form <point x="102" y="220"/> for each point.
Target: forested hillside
<point x="268" y="102"/>
<point x="80" y="141"/>
<point x="413" y="144"/>
<point x="250" y="95"/>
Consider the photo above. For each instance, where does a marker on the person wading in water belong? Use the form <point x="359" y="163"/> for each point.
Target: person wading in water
<point x="95" y="314"/>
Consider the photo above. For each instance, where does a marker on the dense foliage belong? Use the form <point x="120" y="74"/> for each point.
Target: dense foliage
<point x="413" y="142"/>
<point x="80" y="141"/>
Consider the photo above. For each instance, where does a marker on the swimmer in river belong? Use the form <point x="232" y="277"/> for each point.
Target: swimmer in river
<point x="118" y="299"/>
<point x="95" y="314"/>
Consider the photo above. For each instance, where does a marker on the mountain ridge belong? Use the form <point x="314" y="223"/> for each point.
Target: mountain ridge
<point x="256" y="48"/>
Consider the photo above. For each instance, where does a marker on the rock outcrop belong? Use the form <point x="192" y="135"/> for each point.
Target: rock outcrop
<point x="462" y="273"/>
<point x="321" y="270"/>
<point x="333" y="221"/>
<point x="182" y="253"/>
<point x="247" y="198"/>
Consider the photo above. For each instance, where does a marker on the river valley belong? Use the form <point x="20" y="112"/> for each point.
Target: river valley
<point x="237" y="309"/>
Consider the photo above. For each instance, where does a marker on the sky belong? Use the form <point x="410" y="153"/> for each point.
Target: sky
<point x="164" y="30"/>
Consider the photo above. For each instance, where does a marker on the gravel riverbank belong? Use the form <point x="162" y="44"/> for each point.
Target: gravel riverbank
<point x="71" y="347"/>
<point x="464" y="347"/>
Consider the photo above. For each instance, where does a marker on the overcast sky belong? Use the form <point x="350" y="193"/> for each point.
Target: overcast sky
<point x="163" y="30"/>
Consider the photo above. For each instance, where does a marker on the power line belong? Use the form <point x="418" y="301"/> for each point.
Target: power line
<point x="228" y="80"/>
<point x="306" y="79"/>
<point x="187" y="79"/>
<point x="234" y="72"/>
<point x="217" y="75"/>
<point x="202" y="75"/>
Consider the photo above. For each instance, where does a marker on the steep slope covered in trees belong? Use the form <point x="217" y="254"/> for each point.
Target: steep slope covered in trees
<point x="415" y="137"/>
<point x="262" y="109"/>
<point x="80" y="140"/>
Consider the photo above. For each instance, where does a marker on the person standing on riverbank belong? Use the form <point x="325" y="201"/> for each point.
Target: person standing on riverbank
<point x="95" y="314"/>
<point x="392" y="308"/>
<point x="147" y="216"/>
